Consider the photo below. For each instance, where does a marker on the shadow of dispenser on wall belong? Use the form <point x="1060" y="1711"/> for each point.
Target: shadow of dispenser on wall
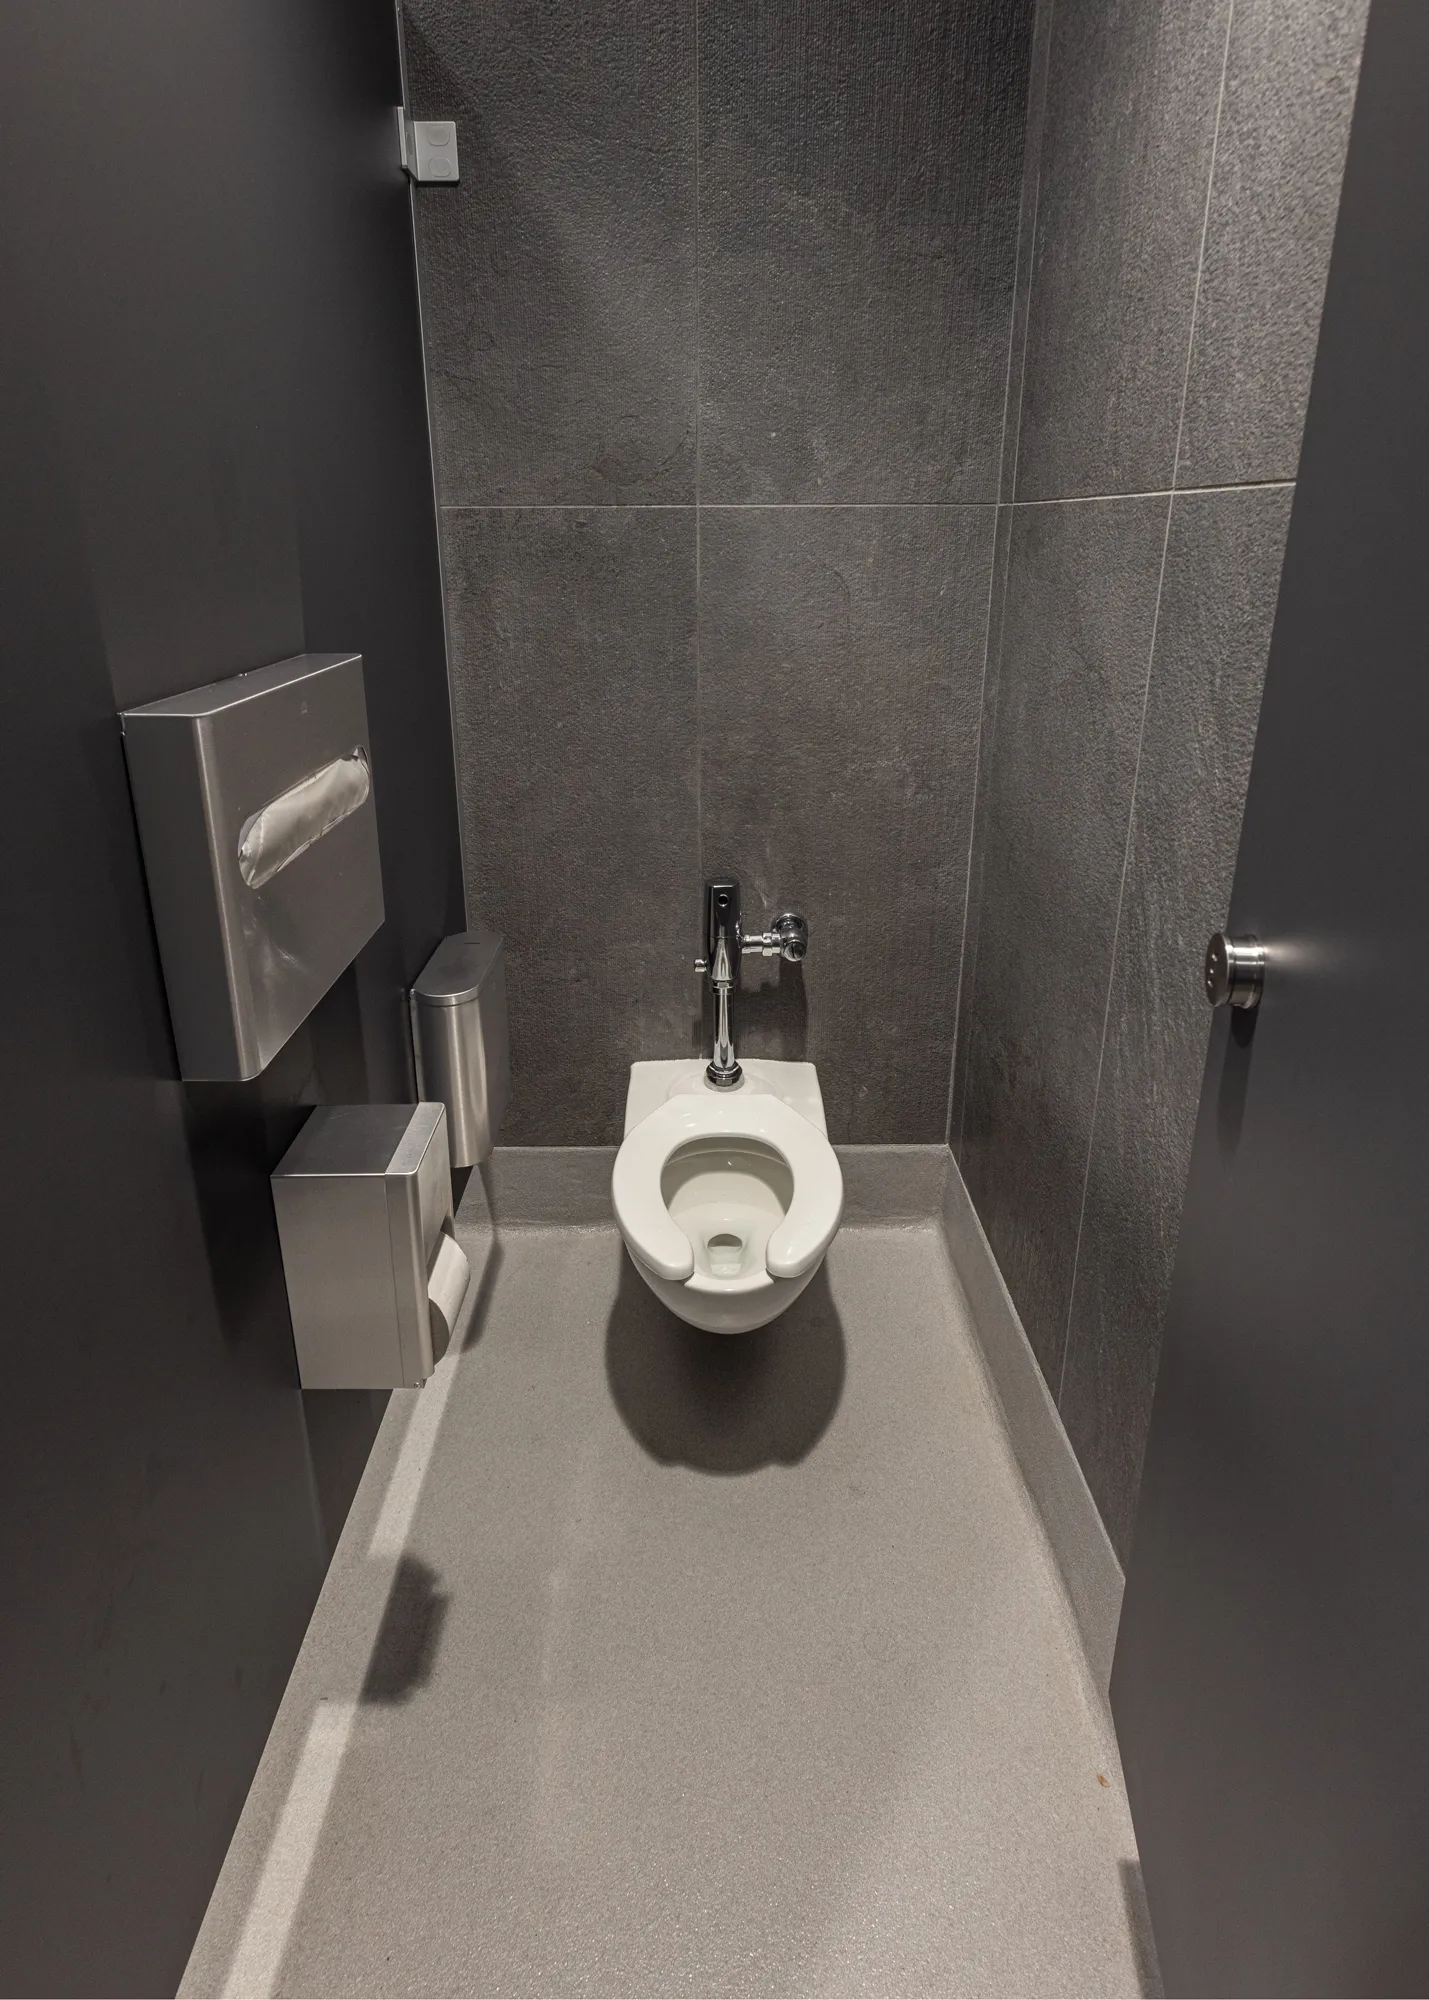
<point x="258" y="825"/>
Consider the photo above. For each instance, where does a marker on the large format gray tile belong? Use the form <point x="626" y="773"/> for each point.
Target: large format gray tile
<point x="705" y="1667"/>
<point x="1075" y="647"/>
<point x="1290" y="87"/>
<point x="841" y="656"/>
<point x="1217" y="606"/>
<point x="860" y="170"/>
<point x="573" y="684"/>
<point x="559" y="275"/>
<point x="1126" y="157"/>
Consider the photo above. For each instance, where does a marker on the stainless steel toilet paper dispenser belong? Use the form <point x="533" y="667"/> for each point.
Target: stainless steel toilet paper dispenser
<point x="259" y="831"/>
<point x="375" y="1275"/>
<point x="461" y="1039"/>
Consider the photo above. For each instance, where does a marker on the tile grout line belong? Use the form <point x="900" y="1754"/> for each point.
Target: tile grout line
<point x="1032" y="255"/>
<point x="699" y="485"/>
<point x="963" y="967"/>
<point x="844" y="506"/>
<point x="1154" y="493"/>
<point x="967" y="969"/>
<point x="972" y="826"/>
<point x="1171" y="499"/>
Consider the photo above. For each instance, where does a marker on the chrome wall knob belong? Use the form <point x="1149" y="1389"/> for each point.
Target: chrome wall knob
<point x="1235" y="971"/>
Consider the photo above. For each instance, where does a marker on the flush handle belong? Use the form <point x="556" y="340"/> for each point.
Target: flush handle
<point x="1235" y="971"/>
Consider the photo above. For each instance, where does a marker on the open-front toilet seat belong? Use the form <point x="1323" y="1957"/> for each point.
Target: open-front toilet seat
<point x="797" y="1242"/>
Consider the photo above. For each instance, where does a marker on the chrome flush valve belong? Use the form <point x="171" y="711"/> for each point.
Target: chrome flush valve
<point x="725" y="945"/>
<point x="787" y="937"/>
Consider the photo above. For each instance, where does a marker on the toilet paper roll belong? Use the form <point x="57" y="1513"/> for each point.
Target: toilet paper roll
<point x="446" y="1288"/>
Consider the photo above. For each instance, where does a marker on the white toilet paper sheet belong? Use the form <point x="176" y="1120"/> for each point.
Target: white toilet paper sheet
<point x="446" y="1288"/>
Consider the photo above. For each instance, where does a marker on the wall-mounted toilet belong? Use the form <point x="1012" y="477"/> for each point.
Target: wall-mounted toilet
<point x="727" y="1198"/>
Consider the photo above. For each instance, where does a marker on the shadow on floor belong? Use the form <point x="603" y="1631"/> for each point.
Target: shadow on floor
<point x="1138" y="1918"/>
<point x="719" y="1402"/>
<point x="405" y="1650"/>
<point x="468" y="1334"/>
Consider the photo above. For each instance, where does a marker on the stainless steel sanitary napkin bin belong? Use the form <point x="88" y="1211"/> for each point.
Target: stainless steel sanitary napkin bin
<point x="461" y="1037"/>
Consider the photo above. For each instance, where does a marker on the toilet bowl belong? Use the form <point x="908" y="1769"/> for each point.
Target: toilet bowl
<point x="726" y="1199"/>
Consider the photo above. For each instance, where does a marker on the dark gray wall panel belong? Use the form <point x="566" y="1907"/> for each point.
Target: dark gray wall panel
<point x="848" y="643"/>
<point x="159" y="1548"/>
<point x="213" y="452"/>
<point x="1130" y="123"/>
<point x="559" y="273"/>
<point x="860" y="172"/>
<point x="573" y="675"/>
<point x="1076" y="645"/>
<point x="1213" y="635"/>
<point x="1280" y="156"/>
<point x="158" y="359"/>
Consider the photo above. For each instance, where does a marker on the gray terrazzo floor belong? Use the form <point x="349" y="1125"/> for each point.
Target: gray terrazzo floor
<point x="652" y="1663"/>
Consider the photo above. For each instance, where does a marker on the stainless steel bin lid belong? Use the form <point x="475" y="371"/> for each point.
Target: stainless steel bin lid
<point x="458" y="968"/>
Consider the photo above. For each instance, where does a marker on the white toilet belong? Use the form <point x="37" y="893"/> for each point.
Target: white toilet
<point x="727" y="1199"/>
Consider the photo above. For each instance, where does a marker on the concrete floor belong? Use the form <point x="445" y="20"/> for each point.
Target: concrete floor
<point x="653" y="1663"/>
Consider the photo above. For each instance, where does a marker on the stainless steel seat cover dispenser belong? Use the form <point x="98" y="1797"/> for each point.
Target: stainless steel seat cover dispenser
<point x="461" y="1037"/>
<point x="259" y="830"/>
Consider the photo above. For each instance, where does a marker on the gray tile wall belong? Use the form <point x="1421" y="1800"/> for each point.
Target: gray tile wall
<point x="1183" y="173"/>
<point x="839" y="491"/>
<point x="717" y="326"/>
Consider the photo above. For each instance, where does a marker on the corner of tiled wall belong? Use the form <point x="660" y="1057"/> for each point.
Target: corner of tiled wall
<point x="1179" y="202"/>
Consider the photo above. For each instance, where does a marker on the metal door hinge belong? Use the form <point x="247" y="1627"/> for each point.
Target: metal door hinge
<point x="427" y="147"/>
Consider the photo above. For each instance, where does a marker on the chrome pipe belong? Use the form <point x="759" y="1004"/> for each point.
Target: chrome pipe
<point x="722" y="1070"/>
